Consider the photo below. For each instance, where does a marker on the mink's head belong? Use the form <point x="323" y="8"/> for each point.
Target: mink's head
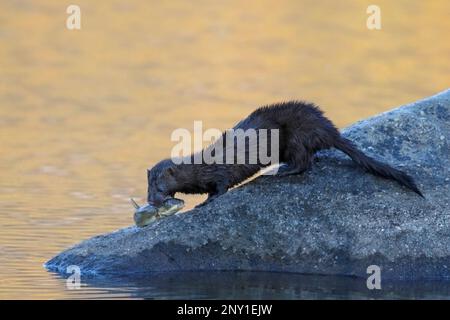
<point x="161" y="182"/>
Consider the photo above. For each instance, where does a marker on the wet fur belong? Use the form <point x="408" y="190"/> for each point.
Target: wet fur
<point x="303" y="130"/>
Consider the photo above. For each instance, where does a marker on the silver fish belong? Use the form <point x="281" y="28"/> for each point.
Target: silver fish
<point x="145" y="215"/>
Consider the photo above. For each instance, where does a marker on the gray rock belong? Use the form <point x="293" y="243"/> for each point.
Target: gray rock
<point x="334" y="219"/>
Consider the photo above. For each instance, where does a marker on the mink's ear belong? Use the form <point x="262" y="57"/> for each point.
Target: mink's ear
<point x="170" y="171"/>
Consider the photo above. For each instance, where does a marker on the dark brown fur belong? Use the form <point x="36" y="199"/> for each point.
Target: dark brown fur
<point x="303" y="130"/>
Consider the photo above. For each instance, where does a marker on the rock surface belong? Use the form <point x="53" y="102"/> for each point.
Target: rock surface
<point x="334" y="219"/>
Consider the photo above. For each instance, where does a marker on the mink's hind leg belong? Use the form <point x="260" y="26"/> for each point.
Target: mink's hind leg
<point x="290" y="169"/>
<point x="297" y="159"/>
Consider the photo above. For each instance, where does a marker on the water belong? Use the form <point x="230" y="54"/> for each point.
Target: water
<point x="84" y="113"/>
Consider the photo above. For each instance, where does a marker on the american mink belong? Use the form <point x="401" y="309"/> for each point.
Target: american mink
<point x="303" y="130"/>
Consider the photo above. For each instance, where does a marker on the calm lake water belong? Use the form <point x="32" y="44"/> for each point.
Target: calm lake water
<point x="84" y="113"/>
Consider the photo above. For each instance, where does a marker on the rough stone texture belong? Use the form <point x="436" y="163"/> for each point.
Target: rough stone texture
<point x="334" y="219"/>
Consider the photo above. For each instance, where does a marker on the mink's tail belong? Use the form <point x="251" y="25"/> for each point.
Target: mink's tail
<point x="375" y="167"/>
